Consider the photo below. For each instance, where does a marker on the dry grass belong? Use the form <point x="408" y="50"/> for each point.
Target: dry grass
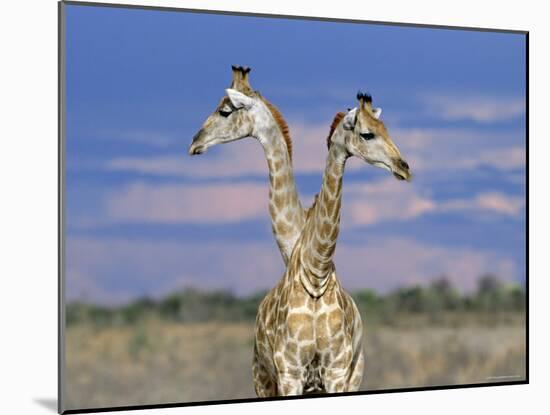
<point x="160" y="362"/>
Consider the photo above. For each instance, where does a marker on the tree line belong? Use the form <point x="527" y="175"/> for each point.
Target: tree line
<point x="435" y="301"/>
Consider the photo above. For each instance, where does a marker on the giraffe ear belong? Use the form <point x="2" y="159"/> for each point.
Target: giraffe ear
<point x="376" y="112"/>
<point x="349" y="119"/>
<point x="238" y="99"/>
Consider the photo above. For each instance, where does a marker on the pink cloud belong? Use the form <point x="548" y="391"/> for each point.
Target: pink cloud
<point x="493" y="202"/>
<point x="391" y="200"/>
<point x="363" y="203"/>
<point x="384" y="200"/>
<point x="235" y="159"/>
<point x="500" y="158"/>
<point x="213" y="203"/>
<point x="500" y="203"/>
<point x="428" y="151"/>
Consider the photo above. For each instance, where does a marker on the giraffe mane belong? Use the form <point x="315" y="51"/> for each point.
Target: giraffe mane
<point x="283" y="126"/>
<point x="337" y="119"/>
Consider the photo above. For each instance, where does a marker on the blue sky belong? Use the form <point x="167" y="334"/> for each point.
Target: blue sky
<point x="144" y="218"/>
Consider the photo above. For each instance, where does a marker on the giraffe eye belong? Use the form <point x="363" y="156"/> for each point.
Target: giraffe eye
<point x="225" y="113"/>
<point x="367" y="136"/>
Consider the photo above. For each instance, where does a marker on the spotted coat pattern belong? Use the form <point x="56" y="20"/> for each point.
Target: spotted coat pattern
<point x="308" y="335"/>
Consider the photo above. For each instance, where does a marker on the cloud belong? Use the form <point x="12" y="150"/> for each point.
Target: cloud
<point x="229" y="160"/>
<point x="448" y="151"/>
<point x="118" y="270"/>
<point x="426" y="149"/>
<point x="389" y="200"/>
<point x="210" y="203"/>
<point x="429" y="151"/>
<point x="384" y="200"/>
<point x="493" y="202"/>
<point x="237" y="159"/>
<point x="501" y="158"/>
<point x="364" y="204"/>
<point x="478" y="108"/>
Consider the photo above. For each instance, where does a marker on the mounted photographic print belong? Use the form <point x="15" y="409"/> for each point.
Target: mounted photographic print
<point x="256" y="207"/>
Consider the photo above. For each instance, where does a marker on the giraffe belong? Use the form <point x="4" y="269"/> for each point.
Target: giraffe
<point x="308" y="331"/>
<point x="244" y="112"/>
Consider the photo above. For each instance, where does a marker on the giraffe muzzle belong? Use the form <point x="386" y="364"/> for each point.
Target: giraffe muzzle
<point x="197" y="146"/>
<point x="196" y="149"/>
<point x="401" y="170"/>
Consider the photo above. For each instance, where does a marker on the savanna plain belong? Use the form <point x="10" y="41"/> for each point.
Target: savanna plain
<point x="197" y="346"/>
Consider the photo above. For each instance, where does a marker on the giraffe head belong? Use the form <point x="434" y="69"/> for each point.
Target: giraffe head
<point x="366" y="137"/>
<point x="241" y="113"/>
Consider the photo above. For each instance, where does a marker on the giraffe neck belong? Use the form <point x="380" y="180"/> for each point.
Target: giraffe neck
<point x="321" y="229"/>
<point x="287" y="214"/>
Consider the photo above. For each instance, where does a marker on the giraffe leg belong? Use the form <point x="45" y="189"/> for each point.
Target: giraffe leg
<point x="356" y="375"/>
<point x="288" y="384"/>
<point x="357" y="365"/>
<point x="263" y="384"/>
<point x="335" y="379"/>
